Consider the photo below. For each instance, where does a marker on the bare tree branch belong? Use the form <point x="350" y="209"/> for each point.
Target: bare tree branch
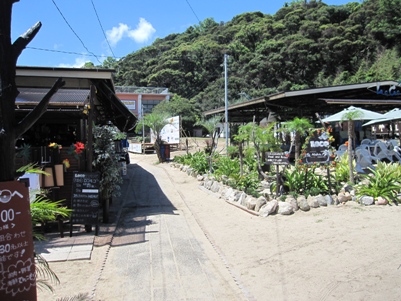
<point x="25" y="39"/>
<point x="39" y="110"/>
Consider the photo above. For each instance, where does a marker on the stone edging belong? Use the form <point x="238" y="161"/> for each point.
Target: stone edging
<point x="264" y="206"/>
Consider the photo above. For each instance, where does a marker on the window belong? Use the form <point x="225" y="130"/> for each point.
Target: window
<point x="148" y="105"/>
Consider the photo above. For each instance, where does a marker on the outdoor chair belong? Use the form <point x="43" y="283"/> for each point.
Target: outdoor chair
<point x="341" y="150"/>
<point x="363" y="160"/>
<point x="392" y="143"/>
<point x="381" y="152"/>
<point x="366" y="141"/>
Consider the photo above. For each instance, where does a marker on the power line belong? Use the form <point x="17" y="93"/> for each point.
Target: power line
<point x="93" y="4"/>
<point x="68" y="52"/>
<point x="193" y="11"/>
<point x="179" y="58"/>
<point x="75" y="32"/>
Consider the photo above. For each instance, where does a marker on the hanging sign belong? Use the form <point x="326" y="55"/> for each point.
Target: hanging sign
<point x="386" y="90"/>
<point x="17" y="264"/>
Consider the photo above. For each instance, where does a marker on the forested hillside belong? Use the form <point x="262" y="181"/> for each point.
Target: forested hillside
<point x="305" y="44"/>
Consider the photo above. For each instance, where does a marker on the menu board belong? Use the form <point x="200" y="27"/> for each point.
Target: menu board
<point x="85" y="198"/>
<point x="17" y="265"/>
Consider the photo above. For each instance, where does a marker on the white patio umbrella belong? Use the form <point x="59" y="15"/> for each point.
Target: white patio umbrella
<point x="364" y="115"/>
<point x="394" y="114"/>
<point x="342" y="116"/>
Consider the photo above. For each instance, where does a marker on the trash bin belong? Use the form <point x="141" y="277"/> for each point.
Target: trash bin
<point x="167" y="152"/>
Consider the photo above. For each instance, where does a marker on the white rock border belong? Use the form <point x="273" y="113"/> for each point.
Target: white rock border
<point x="264" y="206"/>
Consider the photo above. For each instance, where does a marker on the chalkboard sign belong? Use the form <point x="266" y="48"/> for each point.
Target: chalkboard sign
<point x="85" y="198"/>
<point x="318" y="148"/>
<point x="17" y="264"/>
<point x="276" y="158"/>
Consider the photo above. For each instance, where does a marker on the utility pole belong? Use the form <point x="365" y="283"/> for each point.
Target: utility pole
<point x="226" y="99"/>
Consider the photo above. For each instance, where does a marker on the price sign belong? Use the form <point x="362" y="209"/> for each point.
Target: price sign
<point x="85" y="198"/>
<point x="17" y="265"/>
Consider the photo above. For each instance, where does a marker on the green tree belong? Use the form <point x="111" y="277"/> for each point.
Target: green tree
<point x="109" y="63"/>
<point x="89" y="65"/>
<point x="156" y="122"/>
<point x="304" y="45"/>
<point x="180" y="106"/>
<point x="387" y="21"/>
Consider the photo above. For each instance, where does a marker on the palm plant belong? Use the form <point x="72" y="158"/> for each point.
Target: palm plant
<point x="262" y="140"/>
<point x="43" y="210"/>
<point x="210" y="125"/>
<point x="350" y="117"/>
<point x="156" y="122"/>
<point x="297" y="126"/>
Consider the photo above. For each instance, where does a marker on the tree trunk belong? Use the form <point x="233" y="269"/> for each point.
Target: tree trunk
<point x="297" y="146"/>
<point x="241" y="159"/>
<point x="157" y="149"/>
<point x="350" y="156"/>
<point x="10" y="130"/>
<point x="8" y="94"/>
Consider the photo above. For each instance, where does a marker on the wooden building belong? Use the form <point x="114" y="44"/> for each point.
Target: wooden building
<point x="88" y="97"/>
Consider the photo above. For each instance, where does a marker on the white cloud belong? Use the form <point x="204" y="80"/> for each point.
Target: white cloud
<point x="141" y="34"/>
<point x="143" y="31"/>
<point x="116" y="34"/>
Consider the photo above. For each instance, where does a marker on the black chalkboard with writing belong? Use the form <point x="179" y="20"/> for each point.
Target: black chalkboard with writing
<point x="85" y="198"/>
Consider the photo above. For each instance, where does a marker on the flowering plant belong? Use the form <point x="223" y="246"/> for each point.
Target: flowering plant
<point x="79" y="147"/>
<point x="76" y="149"/>
<point x="55" y="145"/>
<point x="66" y="163"/>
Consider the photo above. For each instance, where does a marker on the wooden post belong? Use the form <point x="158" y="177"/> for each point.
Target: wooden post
<point x="89" y="148"/>
<point x="278" y="180"/>
<point x="328" y="177"/>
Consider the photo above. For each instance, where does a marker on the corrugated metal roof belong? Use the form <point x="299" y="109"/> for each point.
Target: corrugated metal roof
<point x="308" y="102"/>
<point x="63" y="96"/>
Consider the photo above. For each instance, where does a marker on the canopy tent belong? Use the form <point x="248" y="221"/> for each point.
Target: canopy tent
<point x="363" y="115"/>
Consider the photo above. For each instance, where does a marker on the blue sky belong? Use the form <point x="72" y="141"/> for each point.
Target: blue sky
<point x="128" y="25"/>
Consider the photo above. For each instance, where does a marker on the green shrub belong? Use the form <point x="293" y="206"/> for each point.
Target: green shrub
<point x="198" y="161"/>
<point x="341" y="172"/>
<point x="303" y="179"/>
<point x="248" y="183"/>
<point x="383" y="182"/>
<point x="226" y="166"/>
<point x="106" y="160"/>
<point x="184" y="159"/>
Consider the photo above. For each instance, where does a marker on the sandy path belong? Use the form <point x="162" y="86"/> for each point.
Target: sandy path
<point x="335" y="253"/>
<point x="345" y="252"/>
